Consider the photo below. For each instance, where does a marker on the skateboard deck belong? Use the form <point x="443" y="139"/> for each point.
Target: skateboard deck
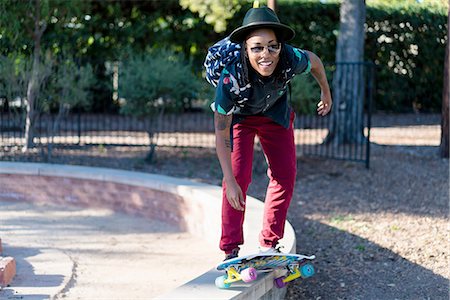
<point x="245" y="268"/>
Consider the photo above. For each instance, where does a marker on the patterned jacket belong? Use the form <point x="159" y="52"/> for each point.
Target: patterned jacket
<point x="258" y="95"/>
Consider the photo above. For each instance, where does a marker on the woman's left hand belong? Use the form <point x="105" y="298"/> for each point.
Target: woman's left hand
<point x="324" y="105"/>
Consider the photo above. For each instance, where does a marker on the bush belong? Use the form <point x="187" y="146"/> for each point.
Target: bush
<point x="159" y="81"/>
<point x="13" y="80"/>
<point x="305" y="94"/>
<point x="68" y="86"/>
<point x="408" y="46"/>
<point x="405" y="39"/>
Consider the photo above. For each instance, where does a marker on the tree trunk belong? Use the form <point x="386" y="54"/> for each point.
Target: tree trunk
<point x="446" y="98"/>
<point x="34" y="82"/>
<point x="272" y="4"/>
<point x="153" y="130"/>
<point x="54" y="128"/>
<point x="153" y="137"/>
<point x="346" y="126"/>
<point x="32" y="94"/>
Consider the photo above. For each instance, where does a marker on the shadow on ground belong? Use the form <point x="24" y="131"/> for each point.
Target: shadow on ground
<point x="403" y="183"/>
<point x="350" y="267"/>
<point x="21" y="282"/>
<point x="9" y="294"/>
<point x="402" y="201"/>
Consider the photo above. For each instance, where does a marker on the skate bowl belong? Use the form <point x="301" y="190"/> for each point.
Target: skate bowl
<point x="191" y="206"/>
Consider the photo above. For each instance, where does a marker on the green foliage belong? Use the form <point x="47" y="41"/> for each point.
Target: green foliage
<point x="14" y="76"/>
<point x="408" y="46"/>
<point x="68" y="86"/>
<point x="215" y="12"/>
<point x="154" y="82"/>
<point x="305" y="94"/>
<point x="18" y="21"/>
<point x="63" y="83"/>
<point x="28" y="29"/>
<point x="435" y="6"/>
<point x="405" y="39"/>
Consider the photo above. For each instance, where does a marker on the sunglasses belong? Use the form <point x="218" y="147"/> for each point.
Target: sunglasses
<point x="273" y="49"/>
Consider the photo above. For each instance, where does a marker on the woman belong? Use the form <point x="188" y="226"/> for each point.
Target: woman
<point x="251" y="100"/>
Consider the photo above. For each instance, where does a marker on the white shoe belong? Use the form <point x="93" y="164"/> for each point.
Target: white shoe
<point x="269" y="250"/>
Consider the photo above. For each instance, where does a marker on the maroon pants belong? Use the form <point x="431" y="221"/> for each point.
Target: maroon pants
<point x="279" y="149"/>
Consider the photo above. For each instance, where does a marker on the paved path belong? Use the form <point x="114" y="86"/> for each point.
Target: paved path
<point x="82" y="253"/>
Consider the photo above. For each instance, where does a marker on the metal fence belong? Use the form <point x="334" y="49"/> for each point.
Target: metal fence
<point x="344" y="133"/>
<point x="315" y="136"/>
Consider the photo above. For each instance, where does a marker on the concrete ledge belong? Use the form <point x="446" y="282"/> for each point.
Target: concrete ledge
<point x="7" y="270"/>
<point x="201" y="215"/>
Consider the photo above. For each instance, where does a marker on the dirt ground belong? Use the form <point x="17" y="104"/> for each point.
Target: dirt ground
<point x="378" y="233"/>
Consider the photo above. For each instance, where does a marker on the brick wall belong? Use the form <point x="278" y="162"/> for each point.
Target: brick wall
<point x="134" y="200"/>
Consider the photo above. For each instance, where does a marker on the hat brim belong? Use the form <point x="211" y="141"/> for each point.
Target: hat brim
<point x="283" y="31"/>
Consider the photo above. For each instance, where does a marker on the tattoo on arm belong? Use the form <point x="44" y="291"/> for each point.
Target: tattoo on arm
<point x="227" y="143"/>
<point x="223" y="122"/>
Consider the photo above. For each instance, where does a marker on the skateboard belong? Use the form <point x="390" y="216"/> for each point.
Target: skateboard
<point x="245" y="268"/>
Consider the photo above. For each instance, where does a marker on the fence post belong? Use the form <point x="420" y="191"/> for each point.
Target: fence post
<point x="370" y="88"/>
<point x="79" y="128"/>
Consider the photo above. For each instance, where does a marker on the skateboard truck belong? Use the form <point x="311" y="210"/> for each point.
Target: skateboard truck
<point x="305" y="271"/>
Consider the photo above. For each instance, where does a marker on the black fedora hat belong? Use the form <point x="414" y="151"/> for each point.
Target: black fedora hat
<point x="262" y="17"/>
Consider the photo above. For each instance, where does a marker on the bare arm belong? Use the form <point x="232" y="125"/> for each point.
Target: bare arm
<point x="318" y="71"/>
<point x="222" y="124"/>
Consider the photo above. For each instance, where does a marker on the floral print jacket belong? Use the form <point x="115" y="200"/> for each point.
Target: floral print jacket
<point x="259" y="95"/>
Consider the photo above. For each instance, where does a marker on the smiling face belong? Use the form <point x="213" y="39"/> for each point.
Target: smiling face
<point x="263" y="50"/>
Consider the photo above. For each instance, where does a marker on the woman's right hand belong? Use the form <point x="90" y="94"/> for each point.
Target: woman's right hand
<point x="222" y="124"/>
<point x="234" y="195"/>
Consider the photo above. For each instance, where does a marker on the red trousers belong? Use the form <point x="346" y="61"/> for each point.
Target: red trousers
<point x="279" y="149"/>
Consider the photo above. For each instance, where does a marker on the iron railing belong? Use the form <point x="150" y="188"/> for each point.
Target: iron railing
<point x="315" y="136"/>
<point x="345" y="132"/>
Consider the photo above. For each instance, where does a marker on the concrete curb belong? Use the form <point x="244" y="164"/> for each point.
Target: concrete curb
<point x="7" y="270"/>
<point x="202" y="220"/>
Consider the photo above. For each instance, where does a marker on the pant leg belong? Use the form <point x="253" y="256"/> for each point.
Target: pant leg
<point x="241" y="161"/>
<point x="279" y="148"/>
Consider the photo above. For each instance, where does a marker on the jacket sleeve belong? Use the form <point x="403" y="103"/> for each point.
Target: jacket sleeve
<point x="298" y="60"/>
<point x="224" y="99"/>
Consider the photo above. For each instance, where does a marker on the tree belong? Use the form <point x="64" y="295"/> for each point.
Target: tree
<point x="446" y="97"/>
<point x="346" y="124"/>
<point x="215" y="12"/>
<point x="27" y="21"/>
<point x="67" y="88"/>
<point x="13" y="79"/>
<point x="272" y="4"/>
<point x="153" y="83"/>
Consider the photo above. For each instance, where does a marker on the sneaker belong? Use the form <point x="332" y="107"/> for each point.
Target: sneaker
<point x="234" y="253"/>
<point x="270" y="250"/>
